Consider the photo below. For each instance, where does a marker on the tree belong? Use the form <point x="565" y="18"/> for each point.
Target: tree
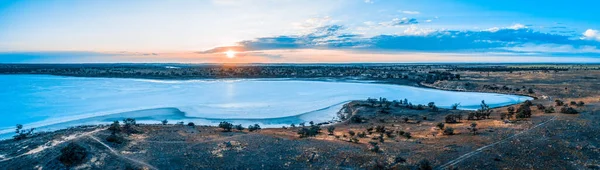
<point x="115" y="127"/>
<point x="430" y="104"/>
<point x="523" y="111"/>
<point x="72" y="154"/>
<point x="330" y="129"/>
<point x="455" y="106"/>
<point x="164" y="122"/>
<point x="226" y="126"/>
<point x="22" y="134"/>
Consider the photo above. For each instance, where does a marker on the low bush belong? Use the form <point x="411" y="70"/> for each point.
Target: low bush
<point x="226" y="126"/>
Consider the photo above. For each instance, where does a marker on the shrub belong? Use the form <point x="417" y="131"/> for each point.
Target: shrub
<point x="407" y="135"/>
<point x="453" y="118"/>
<point x="528" y="103"/>
<point x="380" y="129"/>
<point x="573" y="103"/>
<point x="473" y="128"/>
<point x="420" y="107"/>
<point x="580" y="103"/>
<point x="440" y="125"/>
<point x="356" y="119"/>
<point x="549" y="110"/>
<point x="425" y="165"/>
<point x="530" y="91"/>
<point x="374" y="147"/>
<point x="362" y="135"/>
<point x="226" y="126"/>
<point x="352" y="133"/>
<point x="72" y="154"/>
<point x="559" y="102"/>
<point x="115" y="139"/>
<point x="312" y="130"/>
<point x="511" y="110"/>
<point x="449" y="131"/>
<point x="192" y="124"/>
<point x="568" y="110"/>
<point x="540" y="107"/>
<point x="239" y="127"/>
<point x="164" y="122"/>
<point x="254" y="127"/>
<point x="354" y="140"/>
<point x="128" y="125"/>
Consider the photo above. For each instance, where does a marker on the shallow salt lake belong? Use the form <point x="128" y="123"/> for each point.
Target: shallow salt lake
<point x="53" y="102"/>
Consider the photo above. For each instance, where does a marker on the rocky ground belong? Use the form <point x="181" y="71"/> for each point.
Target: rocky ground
<point x="544" y="141"/>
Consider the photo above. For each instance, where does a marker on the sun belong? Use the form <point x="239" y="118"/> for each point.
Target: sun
<point x="230" y="54"/>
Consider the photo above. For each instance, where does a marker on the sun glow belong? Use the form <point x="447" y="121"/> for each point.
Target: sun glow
<point x="230" y="54"/>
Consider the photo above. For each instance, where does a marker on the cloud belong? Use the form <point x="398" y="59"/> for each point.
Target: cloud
<point x="411" y="12"/>
<point x="591" y="34"/>
<point x="514" y="27"/>
<point x="400" y="22"/>
<point x="513" y="39"/>
<point x="369" y="1"/>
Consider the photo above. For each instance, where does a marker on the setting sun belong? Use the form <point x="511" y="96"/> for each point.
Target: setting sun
<point x="230" y="54"/>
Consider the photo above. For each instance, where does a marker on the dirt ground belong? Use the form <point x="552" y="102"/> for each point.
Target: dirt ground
<point x="544" y="141"/>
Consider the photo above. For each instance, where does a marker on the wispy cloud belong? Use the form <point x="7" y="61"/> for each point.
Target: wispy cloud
<point x="400" y="22"/>
<point x="411" y="12"/>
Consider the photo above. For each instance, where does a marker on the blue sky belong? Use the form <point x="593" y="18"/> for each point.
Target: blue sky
<point x="258" y="30"/>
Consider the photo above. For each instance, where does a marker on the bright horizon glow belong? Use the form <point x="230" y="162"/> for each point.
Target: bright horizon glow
<point x="230" y="54"/>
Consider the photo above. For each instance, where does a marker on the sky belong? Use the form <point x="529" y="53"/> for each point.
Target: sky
<point x="307" y="31"/>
